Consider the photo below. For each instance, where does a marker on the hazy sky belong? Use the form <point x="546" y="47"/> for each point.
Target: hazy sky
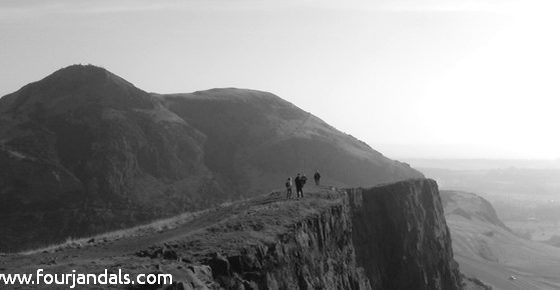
<point x="413" y="78"/>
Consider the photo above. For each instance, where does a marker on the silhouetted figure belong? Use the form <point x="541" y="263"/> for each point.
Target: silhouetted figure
<point x="289" y="188"/>
<point x="317" y="178"/>
<point x="299" y="186"/>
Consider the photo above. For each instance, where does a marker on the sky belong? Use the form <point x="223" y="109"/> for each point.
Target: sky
<point x="413" y="78"/>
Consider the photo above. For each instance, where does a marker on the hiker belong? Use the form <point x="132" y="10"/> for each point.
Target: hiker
<point x="317" y="177"/>
<point x="303" y="181"/>
<point x="289" y="188"/>
<point x="299" y="186"/>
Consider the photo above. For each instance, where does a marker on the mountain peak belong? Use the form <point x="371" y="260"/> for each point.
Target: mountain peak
<point x="81" y="67"/>
<point x="91" y="74"/>
<point x="77" y="85"/>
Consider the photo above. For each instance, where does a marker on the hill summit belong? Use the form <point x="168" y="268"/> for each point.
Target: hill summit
<point x="75" y="86"/>
<point x="83" y="151"/>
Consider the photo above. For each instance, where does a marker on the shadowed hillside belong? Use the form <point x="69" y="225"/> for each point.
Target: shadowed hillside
<point x="486" y="249"/>
<point x="244" y="127"/>
<point x="84" y="151"/>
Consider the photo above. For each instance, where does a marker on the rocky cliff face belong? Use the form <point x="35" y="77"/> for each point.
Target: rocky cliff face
<point x="386" y="237"/>
<point x="317" y="253"/>
<point x="83" y="151"/>
<point x="401" y="237"/>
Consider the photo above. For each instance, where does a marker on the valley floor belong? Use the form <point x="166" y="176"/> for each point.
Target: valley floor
<point x="498" y="275"/>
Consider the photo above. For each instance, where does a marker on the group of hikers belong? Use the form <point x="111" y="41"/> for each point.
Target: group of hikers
<point x="299" y="182"/>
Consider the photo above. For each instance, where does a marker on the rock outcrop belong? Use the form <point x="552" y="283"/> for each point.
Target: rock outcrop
<point x="387" y="237"/>
<point x="317" y="253"/>
<point x="83" y="151"/>
<point x="401" y="237"/>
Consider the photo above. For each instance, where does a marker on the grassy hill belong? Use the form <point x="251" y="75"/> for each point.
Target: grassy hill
<point x="84" y="151"/>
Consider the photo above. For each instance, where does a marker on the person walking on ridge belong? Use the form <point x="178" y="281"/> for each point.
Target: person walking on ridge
<point x="299" y="186"/>
<point x="289" y="188"/>
<point x="317" y="177"/>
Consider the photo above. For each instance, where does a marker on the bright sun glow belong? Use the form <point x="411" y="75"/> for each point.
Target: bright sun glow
<point x="477" y="78"/>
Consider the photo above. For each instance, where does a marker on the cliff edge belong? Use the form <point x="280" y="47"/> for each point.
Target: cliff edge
<point x="387" y="237"/>
<point x="401" y="237"/>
